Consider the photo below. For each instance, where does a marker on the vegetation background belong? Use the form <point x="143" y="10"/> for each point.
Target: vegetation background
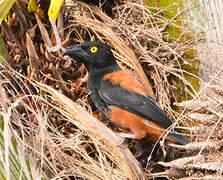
<point x="49" y="128"/>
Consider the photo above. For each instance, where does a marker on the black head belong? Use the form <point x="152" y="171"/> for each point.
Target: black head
<point x="94" y="55"/>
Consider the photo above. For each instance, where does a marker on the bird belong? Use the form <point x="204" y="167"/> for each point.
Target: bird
<point x="120" y="97"/>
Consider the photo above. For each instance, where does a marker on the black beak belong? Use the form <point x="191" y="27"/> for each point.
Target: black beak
<point x="76" y="52"/>
<point x="73" y="51"/>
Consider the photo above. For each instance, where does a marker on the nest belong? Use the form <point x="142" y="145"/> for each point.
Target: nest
<point x="54" y="120"/>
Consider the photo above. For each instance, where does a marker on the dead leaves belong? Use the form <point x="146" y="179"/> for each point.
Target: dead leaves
<point x="208" y="112"/>
<point x="37" y="56"/>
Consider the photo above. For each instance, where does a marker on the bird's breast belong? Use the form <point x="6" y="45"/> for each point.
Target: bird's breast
<point x="94" y="86"/>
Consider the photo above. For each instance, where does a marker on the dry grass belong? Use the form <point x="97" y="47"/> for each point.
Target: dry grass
<point x="91" y="151"/>
<point x="61" y="136"/>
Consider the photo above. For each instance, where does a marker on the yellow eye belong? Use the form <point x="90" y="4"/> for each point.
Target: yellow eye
<point x="94" y="49"/>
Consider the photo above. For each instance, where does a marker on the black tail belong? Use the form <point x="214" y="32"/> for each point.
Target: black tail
<point x="181" y="139"/>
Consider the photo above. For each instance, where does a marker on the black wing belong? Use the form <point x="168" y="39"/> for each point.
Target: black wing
<point x="144" y="106"/>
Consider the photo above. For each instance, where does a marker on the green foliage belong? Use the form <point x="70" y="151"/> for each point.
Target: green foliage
<point x="16" y="166"/>
<point x="54" y="9"/>
<point x="5" y="6"/>
<point x="3" y="51"/>
<point x="172" y="10"/>
<point x="192" y="69"/>
<point x="55" y="5"/>
<point x="32" y="6"/>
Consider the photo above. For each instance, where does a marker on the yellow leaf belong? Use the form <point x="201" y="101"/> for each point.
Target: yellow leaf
<point x="54" y="9"/>
<point x="5" y="6"/>
<point x="32" y="6"/>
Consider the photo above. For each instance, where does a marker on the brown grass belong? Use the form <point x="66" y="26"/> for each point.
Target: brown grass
<point x="62" y="137"/>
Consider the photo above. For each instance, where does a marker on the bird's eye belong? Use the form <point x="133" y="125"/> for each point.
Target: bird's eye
<point x="94" y="49"/>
